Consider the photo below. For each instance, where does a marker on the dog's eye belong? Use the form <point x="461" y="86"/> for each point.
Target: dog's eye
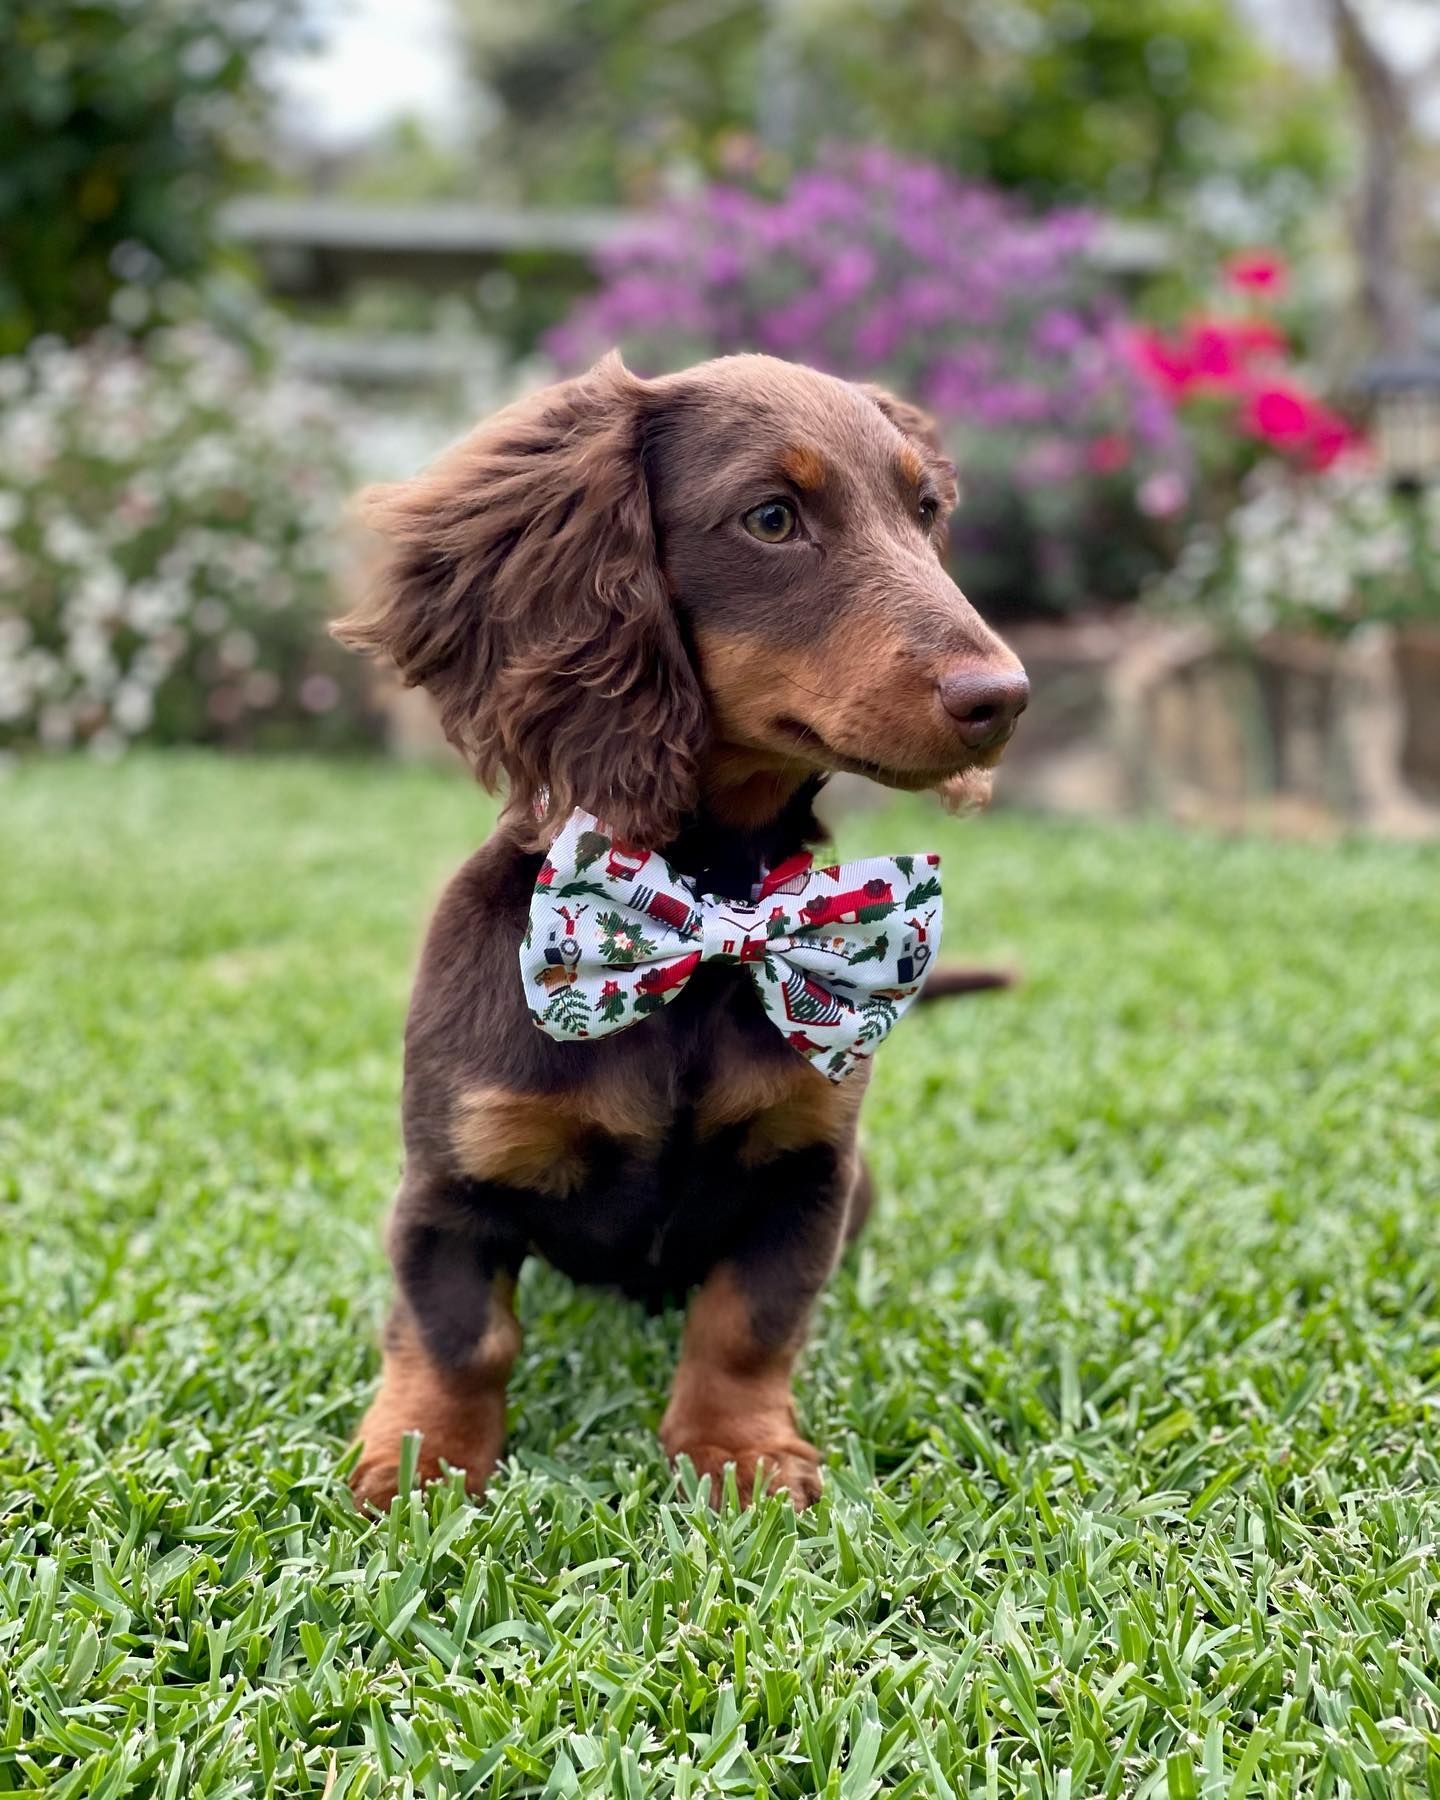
<point x="772" y="522"/>
<point x="929" y="512"/>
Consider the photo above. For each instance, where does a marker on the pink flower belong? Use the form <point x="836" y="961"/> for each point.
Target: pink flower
<point x="1283" y="415"/>
<point x="1104" y="455"/>
<point x="1258" y="337"/>
<point x="1047" y="463"/>
<point x="1206" y="355"/>
<point x="1168" y="365"/>
<point x="1331" y="437"/>
<point x="1162" y="495"/>
<point x="1215" y="353"/>
<point x="319" y="693"/>
<point x="1294" y="421"/>
<point x="1257" y="272"/>
<point x="1224" y="350"/>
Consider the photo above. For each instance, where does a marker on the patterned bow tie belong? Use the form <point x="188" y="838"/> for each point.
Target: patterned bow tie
<point x="836" y="953"/>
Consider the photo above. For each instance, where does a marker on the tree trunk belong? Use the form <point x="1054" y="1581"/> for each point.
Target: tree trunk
<point x="1385" y="103"/>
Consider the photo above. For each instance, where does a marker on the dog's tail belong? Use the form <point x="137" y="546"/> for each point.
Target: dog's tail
<point x="949" y="979"/>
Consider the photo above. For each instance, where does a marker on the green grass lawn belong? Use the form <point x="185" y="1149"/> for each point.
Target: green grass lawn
<point x="1129" y="1397"/>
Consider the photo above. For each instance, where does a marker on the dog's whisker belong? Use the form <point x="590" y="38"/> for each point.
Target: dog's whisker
<point x="785" y="675"/>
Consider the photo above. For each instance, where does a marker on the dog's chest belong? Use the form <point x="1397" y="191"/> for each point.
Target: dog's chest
<point x="704" y="1088"/>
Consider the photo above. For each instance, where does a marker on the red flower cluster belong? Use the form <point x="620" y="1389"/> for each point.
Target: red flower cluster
<point x="1243" y="360"/>
<point x="1257" y="272"/>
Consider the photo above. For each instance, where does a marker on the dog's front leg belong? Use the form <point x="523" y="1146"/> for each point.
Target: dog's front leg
<point x="731" y="1401"/>
<point x="449" y="1344"/>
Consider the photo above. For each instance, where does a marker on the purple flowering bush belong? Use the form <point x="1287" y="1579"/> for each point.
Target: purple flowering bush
<point x="1073" y="469"/>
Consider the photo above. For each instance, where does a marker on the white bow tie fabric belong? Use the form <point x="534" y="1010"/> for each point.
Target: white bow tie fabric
<point x="836" y="953"/>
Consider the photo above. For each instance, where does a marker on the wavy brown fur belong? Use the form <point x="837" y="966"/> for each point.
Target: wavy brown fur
<point x="522" y="590"/>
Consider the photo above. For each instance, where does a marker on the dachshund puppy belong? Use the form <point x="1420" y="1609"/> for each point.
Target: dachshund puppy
<point x="678" y="604"/>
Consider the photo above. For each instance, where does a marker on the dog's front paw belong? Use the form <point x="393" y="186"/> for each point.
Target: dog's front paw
<point x="375" y="1479"/>
<point x="791" y="1464"/>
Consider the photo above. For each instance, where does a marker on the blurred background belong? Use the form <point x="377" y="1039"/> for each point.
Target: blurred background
<point x="1168" y="275"/>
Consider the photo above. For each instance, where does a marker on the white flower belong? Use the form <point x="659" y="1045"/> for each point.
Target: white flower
<point x="176" y="494"/>
<point x="13" y="566"/>
<point x="100" y="590"/>
<point x="261" y="688"/>
<point x="16" y="697"/>
<point x="238" y="649"/>
<point x="55" y="726"/>
<point x="66" y="540"/>
<point x="210" y="616"/>
<point x="131" y="706"/>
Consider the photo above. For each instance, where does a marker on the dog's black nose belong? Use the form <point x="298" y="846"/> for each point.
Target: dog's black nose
<point x="985" y="705"/>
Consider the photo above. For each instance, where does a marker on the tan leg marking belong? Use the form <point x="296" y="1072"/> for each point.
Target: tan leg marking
<point x="459" y="1412"/>
<point x="862" y="1199"/>
<point x="540" y="1140"/>
<point x="731" y="1401"/>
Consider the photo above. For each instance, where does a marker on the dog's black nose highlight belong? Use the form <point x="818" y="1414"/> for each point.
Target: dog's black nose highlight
<point x="985" y="705"/>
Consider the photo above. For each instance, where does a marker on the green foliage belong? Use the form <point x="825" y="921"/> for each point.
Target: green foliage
<point x="879" y="1015"/>
<point x="872" y="952"/>
<point x="621" y="939"/>
<point x="1128" y="1393"/>
<point x="1128" y="105"/>
<point x="569" y="1010"/>
<point x="121" y="124"/>
<point x="590" y="846"/>
<point x="594" y="97"/>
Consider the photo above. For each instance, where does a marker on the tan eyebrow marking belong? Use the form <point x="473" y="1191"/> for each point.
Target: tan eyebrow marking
<point x="912" y="464"/>
<point x="803" y="465"/>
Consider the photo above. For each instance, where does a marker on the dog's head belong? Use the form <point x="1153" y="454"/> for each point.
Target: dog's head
<point x="627" y="594"/>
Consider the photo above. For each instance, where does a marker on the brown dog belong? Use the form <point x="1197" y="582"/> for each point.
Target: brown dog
<point x="679" y="604"/>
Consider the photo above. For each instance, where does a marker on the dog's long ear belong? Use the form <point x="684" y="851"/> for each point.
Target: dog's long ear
<point x="523" y="591"/>
<point x="919" y="426"/>
<point x="905" y="417"/>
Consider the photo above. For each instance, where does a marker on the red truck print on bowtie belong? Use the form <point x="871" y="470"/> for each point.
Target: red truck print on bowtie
<point x="861" y="906"/>
<point x="664" y="976"/>
<point x="625" y="861"/>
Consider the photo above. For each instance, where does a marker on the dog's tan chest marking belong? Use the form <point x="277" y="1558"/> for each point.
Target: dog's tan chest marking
<point x="545" y="1141"/>
<point x="542" y="1141"/>
<point x="782" y="1106"/>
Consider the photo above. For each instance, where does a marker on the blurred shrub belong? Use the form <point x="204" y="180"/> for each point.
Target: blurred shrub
<point x="1130" y="106"/>
<point x="1229" y="370"/>
<point x="1072" y="468"/>
<point x="167" y="545"/>
<point x="121" y="123"/>
<point x="1133" y="106"/>
<point x="1313" y="553"/>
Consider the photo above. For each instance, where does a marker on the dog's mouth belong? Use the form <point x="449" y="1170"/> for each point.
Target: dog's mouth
<point x="806" y="738"/>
